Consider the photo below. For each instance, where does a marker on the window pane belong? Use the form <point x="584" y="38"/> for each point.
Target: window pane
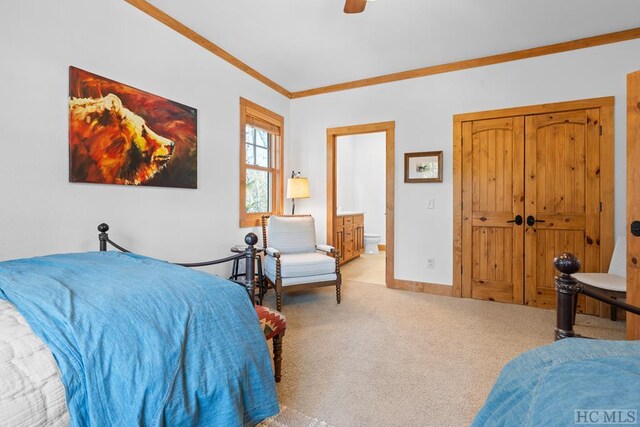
<point x="258" y="191"/>
<point x="250" y="158"/>
<point x="262" y="138"/>
<point x="249" y="134"/>
<point x="262" y="157"/>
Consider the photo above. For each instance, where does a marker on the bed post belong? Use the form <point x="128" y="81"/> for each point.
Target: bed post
<point x="103" y="236"/>
<point x="250" y="262"/>
<point x="567" y="288"/>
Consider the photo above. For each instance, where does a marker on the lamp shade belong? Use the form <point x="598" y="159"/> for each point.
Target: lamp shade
<point x="297" y="188"/>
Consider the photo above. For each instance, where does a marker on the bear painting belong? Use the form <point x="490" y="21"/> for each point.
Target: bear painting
<point x="122" y="135"/>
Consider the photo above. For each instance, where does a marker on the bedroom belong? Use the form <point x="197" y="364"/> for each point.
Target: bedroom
<point x="42" y="213"/>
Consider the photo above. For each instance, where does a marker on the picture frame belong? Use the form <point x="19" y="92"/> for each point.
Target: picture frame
<point x="425" y="166"/>
<point x="122" y="135"/>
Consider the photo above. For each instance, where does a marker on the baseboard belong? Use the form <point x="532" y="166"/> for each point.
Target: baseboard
<point x="382" y="247"/>
<point x="427" y="288"/>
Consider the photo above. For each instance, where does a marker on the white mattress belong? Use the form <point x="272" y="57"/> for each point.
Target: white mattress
<point x="31" y="389"/>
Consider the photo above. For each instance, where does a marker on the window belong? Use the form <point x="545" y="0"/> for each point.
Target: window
<point x="261" y="177"/>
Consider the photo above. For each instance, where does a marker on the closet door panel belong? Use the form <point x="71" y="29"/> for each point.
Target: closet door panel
<point x="562" y="197"/>
<point x="493" y="157"/>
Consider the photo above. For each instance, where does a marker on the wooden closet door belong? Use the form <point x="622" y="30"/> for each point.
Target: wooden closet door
<point x="562" y="189"/>
<point x="493" y="195"/>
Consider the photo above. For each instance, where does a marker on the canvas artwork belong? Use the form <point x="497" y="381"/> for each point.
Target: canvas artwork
<point x="122" y="135"/>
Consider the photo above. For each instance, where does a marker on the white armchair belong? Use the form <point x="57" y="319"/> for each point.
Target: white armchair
<point x="614" y="282"/>
<point x="293" y="261"/>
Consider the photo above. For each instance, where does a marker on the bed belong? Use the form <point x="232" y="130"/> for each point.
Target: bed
<point x="572" y="381"/>
<point x="113" y="338"/>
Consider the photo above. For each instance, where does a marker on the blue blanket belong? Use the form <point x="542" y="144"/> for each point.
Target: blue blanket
<point x="573" y="381"/>
<point x="144" y="342"/>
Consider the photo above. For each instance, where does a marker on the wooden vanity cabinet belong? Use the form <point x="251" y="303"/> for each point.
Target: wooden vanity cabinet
<point x="349" y="236"/>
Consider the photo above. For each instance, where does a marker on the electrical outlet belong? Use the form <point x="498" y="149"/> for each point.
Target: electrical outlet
<point x="431" y="203"/>
<point x="431" y="263"/>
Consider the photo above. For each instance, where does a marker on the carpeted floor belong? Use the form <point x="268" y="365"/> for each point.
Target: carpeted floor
<point x="367" y="268"/>
<point x="395" y="358"/>
<point x="291" y="418"/>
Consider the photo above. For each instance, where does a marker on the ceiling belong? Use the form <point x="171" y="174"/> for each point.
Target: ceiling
<point x="303" y="44"/>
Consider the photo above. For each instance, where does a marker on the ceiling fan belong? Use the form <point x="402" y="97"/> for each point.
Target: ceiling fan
<point x="354" y="6"/>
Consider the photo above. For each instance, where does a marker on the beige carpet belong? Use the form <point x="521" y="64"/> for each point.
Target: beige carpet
<point x="368" y="268"/>
<point x="395" y="358"/>
<point x="291" y="418"/>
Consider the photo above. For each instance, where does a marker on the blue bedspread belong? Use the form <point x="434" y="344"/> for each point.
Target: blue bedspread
<point x="144" y="342"/>
<point x="571" y="381"/>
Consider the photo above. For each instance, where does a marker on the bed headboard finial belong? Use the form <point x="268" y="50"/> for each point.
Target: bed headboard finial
<point x="103" y="237"/>
<point x="567" y="289"/>
<point x="567" y="263"/>
<point x="250" y="239"/>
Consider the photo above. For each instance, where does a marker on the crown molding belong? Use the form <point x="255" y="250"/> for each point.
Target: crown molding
<point x="599" y="40"/>
<point x="583" y="43"/>
<point x="179" y="27"/>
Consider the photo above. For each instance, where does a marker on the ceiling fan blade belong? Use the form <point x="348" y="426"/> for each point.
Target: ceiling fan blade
<point x="354" y="6"/>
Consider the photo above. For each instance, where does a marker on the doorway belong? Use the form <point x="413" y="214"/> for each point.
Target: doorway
<point x="531" y="183"/>
<point x="345" y="230"/>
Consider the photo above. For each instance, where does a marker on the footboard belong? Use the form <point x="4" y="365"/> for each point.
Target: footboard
<point x="567" y="290"/>
<point x="249" y="255"/>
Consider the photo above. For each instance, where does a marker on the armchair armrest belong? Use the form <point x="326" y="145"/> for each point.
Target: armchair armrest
<point x="325" y="248"/>
<point x="273" y="252"/>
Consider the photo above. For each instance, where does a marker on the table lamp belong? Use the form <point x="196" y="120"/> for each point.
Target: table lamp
<point x="297" y="188"/>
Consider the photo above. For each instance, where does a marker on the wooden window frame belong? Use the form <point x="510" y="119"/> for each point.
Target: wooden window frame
<point x="250" y="110"/>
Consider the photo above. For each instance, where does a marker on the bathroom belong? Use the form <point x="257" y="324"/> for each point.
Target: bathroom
<point x="360" y="199"/>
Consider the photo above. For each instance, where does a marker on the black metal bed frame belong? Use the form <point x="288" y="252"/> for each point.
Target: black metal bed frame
<point x="249" y="255"/>
<point x="567" y="290"/>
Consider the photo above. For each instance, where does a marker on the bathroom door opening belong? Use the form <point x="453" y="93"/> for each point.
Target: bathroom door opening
<point x="363" y="204"/>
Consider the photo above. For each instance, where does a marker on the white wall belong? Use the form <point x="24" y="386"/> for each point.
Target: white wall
<point x="423" y="110"/>
<point x="40" y="211"/>
<point x="360" y="176"/>
<point x="345" y="176"/>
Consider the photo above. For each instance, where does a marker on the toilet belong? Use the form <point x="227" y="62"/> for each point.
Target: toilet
<point x="371" y="243"/>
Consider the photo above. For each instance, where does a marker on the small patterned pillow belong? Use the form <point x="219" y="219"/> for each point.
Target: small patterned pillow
<point x="273" y="322"/>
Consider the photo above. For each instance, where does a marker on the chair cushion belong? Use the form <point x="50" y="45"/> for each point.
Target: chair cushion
<point x="291" y="234"/>
<point x="301" y="265"/>
<point x="272" y="322"/>
<point x="610" y="282"/>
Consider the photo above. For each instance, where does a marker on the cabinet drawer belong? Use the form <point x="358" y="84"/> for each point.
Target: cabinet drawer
<point x="339" y="221"/>
<point x="348" y="236"/>
<point x="348" y="252"/>
<point x="348" y="220"/>
<point x="358" y="219"/>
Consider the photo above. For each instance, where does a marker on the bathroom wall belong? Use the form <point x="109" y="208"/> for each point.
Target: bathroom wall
<point x="361" y="178"/>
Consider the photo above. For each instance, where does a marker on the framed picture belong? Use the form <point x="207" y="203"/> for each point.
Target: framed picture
<point x="122" y="135"/>
<point x="423" y="167"/>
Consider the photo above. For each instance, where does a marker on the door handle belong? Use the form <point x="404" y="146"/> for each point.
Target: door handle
<point x="531" y="220"/>
<point x="635" y="228"/>
<point x="517" y="220"/>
